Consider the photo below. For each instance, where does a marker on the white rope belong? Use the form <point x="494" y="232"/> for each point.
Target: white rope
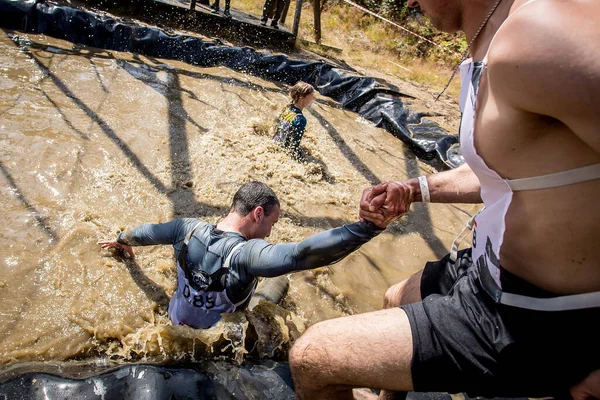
<point x="401" y="27"/>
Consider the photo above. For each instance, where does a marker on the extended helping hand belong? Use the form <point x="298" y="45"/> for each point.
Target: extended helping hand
<point x="127" y="250"/>
<point x="384" y="203"/>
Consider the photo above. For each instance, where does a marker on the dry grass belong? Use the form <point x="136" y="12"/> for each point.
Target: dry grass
<point x="369" y="43"/>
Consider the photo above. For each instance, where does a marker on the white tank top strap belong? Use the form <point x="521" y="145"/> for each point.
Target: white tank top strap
<point x="501" y="25"/>
<point x="460" y="238"/>
<point x="562" y="303"/>
<point x="563" y="178"/>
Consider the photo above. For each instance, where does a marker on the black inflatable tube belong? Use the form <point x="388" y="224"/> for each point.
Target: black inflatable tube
<point x="363" y="95"/>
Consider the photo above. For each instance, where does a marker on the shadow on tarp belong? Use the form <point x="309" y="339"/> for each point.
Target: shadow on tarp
<point x="379" y="104"/>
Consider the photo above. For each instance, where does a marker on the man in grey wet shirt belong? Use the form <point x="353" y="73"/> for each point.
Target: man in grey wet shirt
<point x="218" y="265"/>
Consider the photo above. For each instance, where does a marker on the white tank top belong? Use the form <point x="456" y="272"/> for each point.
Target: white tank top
<point x="496" y="192"/>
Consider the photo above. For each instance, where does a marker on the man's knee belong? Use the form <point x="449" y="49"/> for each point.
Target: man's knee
<point x="307" y="358"/>
<point x="306" y="351"/>
<point x="393" y="296"/>
<point x="406" y="292"/>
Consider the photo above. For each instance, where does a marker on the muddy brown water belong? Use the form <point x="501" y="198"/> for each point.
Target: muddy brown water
<point x="94" y="141"/>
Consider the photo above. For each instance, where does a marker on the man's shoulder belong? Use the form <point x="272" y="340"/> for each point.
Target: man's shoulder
<point x="249" y="251"/>
<point x="189" y="224"/>
<point x="256" y="242"/>
<point x="545" y="54"/>
<point x="544" y="29"/>
<point x="192" y="221"/>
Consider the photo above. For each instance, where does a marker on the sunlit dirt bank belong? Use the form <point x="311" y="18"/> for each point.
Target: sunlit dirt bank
<point x="97" y="141"/>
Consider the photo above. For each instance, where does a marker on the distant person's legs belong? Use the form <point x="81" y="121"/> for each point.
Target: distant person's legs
<point x="265" y="15"/>
<point x="278" y="12"/>
<point x="226" y="12"/>
<point x="215" y="8"/>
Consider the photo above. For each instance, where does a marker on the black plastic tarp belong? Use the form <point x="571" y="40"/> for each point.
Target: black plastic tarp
<point x="207" y="380"/>
<point x="216" y="380"/>
<point x="363" y="95"/>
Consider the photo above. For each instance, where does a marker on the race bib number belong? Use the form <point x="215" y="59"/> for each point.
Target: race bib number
<point x="200" y="300"/>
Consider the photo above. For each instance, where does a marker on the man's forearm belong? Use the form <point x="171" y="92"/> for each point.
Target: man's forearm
<point x="333" y="245"/>
<point x="459" y="185"/>
<point x="261" y="258"/>
<point x="151" y="234"/>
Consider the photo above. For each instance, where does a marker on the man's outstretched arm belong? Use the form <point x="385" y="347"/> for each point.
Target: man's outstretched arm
<point x="150" y="234"/>
<point x="261" y="258"/>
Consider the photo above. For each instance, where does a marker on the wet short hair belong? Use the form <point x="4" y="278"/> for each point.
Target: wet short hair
<point x="251" y="195"/>
<point x="300" y="89"/>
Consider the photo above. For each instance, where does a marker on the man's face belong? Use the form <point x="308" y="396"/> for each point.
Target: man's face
<point x="266" y="223"/>
<point x="441" y="13"/>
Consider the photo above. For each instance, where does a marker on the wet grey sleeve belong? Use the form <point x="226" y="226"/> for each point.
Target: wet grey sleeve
<point x="150" y="234"/>
<point x="261" y="258"/>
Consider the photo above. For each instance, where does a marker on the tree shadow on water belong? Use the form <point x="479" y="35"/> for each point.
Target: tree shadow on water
<point x="153" y="291"/>
<point x="346" y="150"/>
<point x="321" y="167"/>
<point x="42" y="221"/>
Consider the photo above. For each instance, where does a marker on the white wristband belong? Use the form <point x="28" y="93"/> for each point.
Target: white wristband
<point x="425" y="197"/>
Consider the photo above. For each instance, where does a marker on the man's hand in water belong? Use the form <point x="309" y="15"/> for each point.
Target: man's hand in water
<point x="127" y="250"/>
<point x="384" y="203"/>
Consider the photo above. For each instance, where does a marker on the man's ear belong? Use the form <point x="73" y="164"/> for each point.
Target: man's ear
<point x="258" y="213"/>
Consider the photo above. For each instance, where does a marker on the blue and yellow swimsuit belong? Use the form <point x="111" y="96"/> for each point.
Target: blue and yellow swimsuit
<point x="290" y="129"/>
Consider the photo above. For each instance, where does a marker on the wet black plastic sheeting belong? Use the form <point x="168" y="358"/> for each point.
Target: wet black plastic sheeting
<point x="363" y="95"/>
<point x="207" y="380"/>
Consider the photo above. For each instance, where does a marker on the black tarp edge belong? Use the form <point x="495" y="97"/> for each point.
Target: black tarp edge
<point x="203" y="380"/>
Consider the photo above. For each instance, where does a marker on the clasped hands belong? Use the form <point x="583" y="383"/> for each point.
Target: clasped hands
<point x="384" y="203"/>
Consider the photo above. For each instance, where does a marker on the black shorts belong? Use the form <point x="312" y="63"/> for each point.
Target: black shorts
<point x="465" y="342"/>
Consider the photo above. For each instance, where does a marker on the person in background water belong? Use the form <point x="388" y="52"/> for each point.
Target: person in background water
<point x="291" y="122"/>
<point x="218" y="265"/>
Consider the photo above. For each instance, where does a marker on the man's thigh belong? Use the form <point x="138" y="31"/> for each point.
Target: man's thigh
<point x="365" y="350"/>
